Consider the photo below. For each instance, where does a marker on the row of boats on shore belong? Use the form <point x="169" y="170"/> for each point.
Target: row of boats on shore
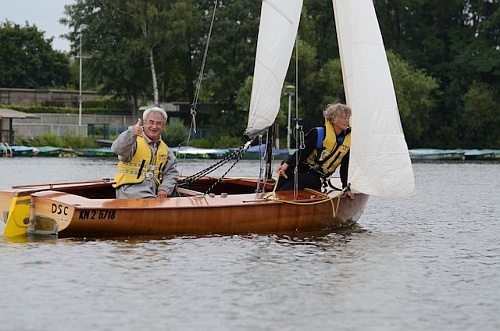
<point x="253" y="153"/>
<point x="51" y="151"/>
<point x="188" y="152"/>
<point x="433" y="154"/>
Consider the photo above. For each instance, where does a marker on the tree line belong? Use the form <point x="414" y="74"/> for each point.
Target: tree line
<point x="444" y="57"/>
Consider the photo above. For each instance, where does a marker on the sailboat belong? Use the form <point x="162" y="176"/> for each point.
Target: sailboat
<point x="379" y="161"/>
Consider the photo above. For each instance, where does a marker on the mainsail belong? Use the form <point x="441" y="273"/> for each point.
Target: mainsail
<point x="379" y="163"/>
<point x="279" y="22"/>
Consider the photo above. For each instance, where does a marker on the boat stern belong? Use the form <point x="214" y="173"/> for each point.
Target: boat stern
<point x="15" y="209"/>
<point x="47" y="215"/>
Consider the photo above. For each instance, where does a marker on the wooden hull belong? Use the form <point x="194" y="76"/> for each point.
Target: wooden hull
<point x="231" y="212"/>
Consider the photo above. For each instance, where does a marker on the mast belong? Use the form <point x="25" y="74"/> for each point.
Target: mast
<point x="271" y="132"/>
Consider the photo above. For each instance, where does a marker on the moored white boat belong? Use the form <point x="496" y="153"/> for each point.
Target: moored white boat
<point x="259" y="152"/>
<point x="189" y="152"/>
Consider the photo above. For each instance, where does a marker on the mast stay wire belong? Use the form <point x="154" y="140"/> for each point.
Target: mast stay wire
<point x="200" y="75"/>
<point x="192" y="112"/>
<point x="299" y="133"/>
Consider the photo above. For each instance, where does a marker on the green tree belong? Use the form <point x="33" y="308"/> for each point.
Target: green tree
<point x="27" y="59"/>
<point x="415" y="93"/>
<point x="141" y="50"/>
<point x="181" y="62"/>
<point x="453" y="44"/>
<point x="149" y="18"/>
<point x="454" y="41"/>
<point x="317" y="28"/>
<point x="309" y="91"/>
<point x="111" y="59"/>
<point x="481" y="118"/>
<point x="232" y="49"/>
<point x="175" y="134"/>
<point x="109" y="62"/>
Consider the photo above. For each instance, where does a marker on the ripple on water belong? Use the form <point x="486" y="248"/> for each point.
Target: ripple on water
<point x="427" y="262"/>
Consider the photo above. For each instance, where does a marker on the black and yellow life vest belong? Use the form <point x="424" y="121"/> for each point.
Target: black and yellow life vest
<point x="326" y="158"/>
<point x="142" y="165"/>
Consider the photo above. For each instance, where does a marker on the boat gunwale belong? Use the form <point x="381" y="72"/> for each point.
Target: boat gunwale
<point x="209" y="201"/>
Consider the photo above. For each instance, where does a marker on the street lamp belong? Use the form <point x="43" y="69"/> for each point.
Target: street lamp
<point x="288" y="128"/>
<point x="80" y="94"/>
<point x="80" y="98"/>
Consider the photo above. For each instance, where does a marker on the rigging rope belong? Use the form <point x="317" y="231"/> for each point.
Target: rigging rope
<point x="327" y="198"/>
<point x="238" y="154"/>
<point x="194" y="104"/>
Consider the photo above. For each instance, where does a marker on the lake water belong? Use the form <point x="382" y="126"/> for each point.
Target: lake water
<point x="429" y="262"/>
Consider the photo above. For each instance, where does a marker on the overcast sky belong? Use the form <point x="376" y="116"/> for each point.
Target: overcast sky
<point x="45" y="14"/>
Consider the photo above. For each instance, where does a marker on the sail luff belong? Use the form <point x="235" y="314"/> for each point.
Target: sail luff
<point x="279" y="22"/>
<point x="379" y="160"/>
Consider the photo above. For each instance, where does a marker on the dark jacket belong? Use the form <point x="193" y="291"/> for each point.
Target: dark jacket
<point x="310" y="144"/>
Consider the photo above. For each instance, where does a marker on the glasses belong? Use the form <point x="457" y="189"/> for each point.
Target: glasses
<point x="151" y="122"/>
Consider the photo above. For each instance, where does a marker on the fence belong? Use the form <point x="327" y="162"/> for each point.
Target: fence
<point x="68" y="124"/>
<point x="96" y="126"/>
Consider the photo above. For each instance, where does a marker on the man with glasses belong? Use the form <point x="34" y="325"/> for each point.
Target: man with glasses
<point x="146" y="167"/>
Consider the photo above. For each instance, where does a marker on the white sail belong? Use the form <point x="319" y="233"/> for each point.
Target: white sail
<point x="379" y="160"/>
<point x="279" y="22"/>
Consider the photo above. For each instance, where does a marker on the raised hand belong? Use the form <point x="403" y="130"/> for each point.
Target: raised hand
<point x="138" y="128"/>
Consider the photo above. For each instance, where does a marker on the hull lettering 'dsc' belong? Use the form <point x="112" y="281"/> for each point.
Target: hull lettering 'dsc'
<point x="59" y="209"/>
<point x="97" y="214"/>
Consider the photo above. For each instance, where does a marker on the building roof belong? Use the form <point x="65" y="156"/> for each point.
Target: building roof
<point x="11" y="113"/>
